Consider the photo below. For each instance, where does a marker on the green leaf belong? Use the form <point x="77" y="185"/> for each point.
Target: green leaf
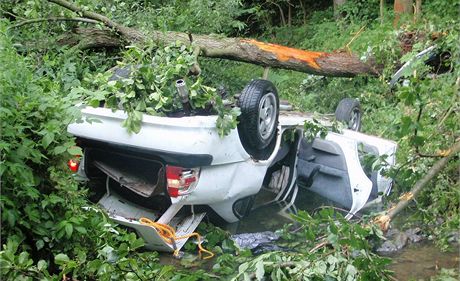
<point x="47" y="139"/>
<point x="39" y="244"/>
<point x="81" y="229"/>
<point x="75" y="150"/>
<point x="10" y="217"/>
<point x="137" y="243"/>
<point x="23" y="258"/>
<point x="260" y="271"/>
<point x="59" y="149"/>
<point x="42" y="265"/>
<point x="68" y="230"/>
<point x="61" y="259"/>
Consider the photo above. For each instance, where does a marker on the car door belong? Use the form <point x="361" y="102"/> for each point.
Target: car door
<point x="331" y="167"/>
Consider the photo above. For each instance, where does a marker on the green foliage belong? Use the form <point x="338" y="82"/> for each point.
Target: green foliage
<point x="359" y="10"/>
<point x="195" y="16"/>
<point x="446" y="275"/>
<point x="49" y="228"/>
<point x="150" y="87"/>
<point x="313" y="129"/>
<point x="327" y="247"/>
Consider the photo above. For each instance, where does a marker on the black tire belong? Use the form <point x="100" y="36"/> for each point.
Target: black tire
<point x="349" y="112"/>
<point x="257" y="133"/>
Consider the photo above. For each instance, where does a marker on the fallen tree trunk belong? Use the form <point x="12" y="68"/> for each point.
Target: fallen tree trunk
<point x="385" y="219"/>
<point x="91" y="38"/>
<point x="246" y="50"/>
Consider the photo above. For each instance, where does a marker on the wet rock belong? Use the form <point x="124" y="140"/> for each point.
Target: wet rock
<point x="387" y="247"/>
<point x="252" y="240"/>
<point x="453" y="237"/>
<point x="400" y="240"/>
<point x="392" y="232"/>
<point x="268" y="247"/>
<point x="414" y="234"/>
<point x="397" y="241"/>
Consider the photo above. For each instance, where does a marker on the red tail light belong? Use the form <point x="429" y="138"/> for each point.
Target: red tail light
<point x="181" y="181"/>
<point x="74" y="164"/>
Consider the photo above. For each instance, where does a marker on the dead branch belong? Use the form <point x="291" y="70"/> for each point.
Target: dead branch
<point x="384" y="220"/>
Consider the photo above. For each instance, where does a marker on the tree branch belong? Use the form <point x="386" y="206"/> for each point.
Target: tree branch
<point x="129" y="33"/>
<point x="31" y="21"/>
<point x="405" y="199"/>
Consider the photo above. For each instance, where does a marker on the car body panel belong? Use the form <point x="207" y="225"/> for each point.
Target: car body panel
<point x="186" y="135"/>
<point x="232" y="174"/>
<point x="129" y="214"/>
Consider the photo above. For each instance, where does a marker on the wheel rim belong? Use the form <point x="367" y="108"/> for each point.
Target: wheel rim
<point x="267" y="115"/>
<point x="355" y="120"/>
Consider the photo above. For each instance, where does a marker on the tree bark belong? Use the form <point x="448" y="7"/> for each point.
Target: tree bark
<point x="92" y="38"/>
<point x="340" y="64"/>
<point x="402" y="7"/>
<point x="418" y="9"/>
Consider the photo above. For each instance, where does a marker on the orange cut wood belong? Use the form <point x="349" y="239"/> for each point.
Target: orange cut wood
<point x="284" y="53"/>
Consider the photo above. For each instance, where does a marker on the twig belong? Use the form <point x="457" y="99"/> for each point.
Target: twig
<point x="347" y="46"/>
<point x="52" y="19"/>
<point x="417" y="147"/>
<point x="11" y="14"/>
<point x="266" y="71"/>
<point x="318" y="246"/>
<point x="283" y="20"/>
<point x="335" y="208"/>
<point x="129" y="264"/>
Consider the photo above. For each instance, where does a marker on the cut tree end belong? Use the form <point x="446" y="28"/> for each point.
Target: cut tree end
<point x="284" y="53"/>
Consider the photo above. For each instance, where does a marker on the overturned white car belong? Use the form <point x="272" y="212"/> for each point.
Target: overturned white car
<point x="177" y="170"/>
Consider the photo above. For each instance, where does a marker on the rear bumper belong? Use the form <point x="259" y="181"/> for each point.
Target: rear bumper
<point x="186" y="160"/>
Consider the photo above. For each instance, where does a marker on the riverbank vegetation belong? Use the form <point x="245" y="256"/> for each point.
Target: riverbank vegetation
<point x="51" y="230"/>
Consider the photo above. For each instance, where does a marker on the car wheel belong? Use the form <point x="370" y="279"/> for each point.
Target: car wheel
<point x="349" y="112"/>
<point x="258" y="121"/>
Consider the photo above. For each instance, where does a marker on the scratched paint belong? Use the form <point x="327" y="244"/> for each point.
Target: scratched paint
<point x="284" y="53"/>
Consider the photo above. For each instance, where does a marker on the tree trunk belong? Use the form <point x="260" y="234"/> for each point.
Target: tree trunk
<point x="402" y="7"/>
<point x="289" y="22"/>
<point x="337" y="4"/>
<point x="418" y="9"/>
<point x="304" y="12"/>
<point x="246" y="50"/>
<point x="92" y="38"/>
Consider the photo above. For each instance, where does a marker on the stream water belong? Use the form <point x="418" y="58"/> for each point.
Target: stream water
<point x="421" y="261"/>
